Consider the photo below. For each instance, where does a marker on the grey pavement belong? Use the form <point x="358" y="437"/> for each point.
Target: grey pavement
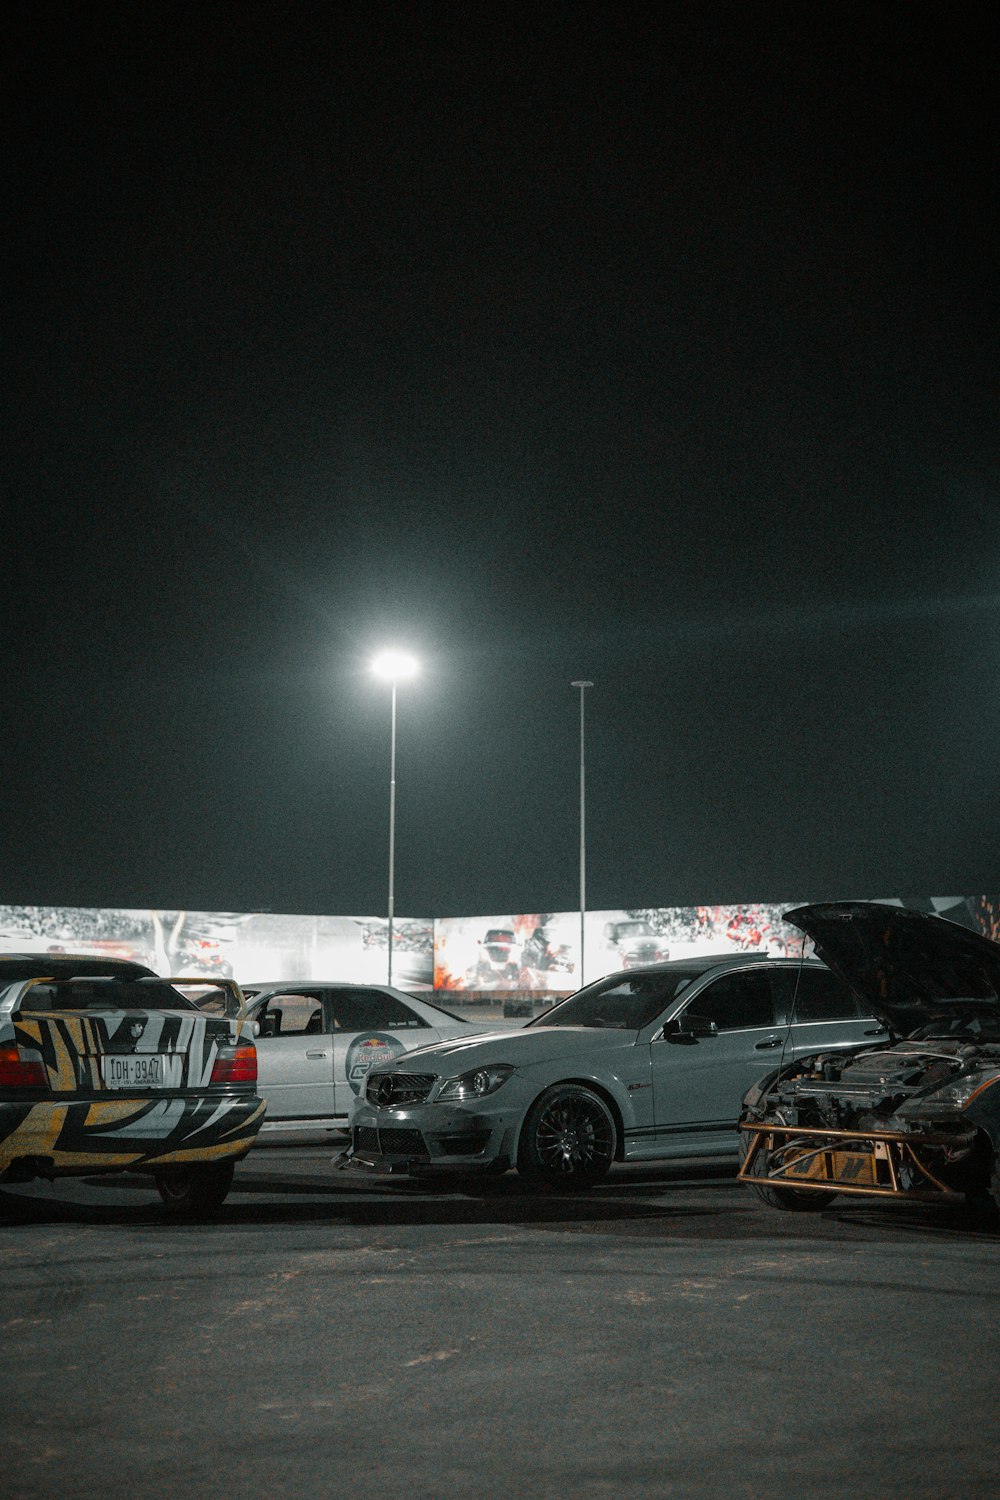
<point x="665" y="1335"/>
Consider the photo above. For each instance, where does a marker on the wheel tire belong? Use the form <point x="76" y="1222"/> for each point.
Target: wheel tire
<point x="994" y="1190"/>
<point x="568" y="1140"/>
<point x="793" y="1200"/>
<point x="193" y="1192"/>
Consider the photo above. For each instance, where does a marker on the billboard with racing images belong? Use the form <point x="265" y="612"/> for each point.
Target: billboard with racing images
<point x="533" y="954"/>
<point x="540" y="951"/>
<point x="251" y="947"/>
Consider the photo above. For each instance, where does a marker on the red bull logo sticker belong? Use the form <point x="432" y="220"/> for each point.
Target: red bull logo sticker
<point x="367" y="1051"/>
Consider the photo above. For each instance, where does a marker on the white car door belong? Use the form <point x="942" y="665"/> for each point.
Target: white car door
<point x="295" y="1055"/>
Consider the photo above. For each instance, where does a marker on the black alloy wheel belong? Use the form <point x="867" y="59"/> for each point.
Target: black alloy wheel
<point x="568" y="1140"/>
<point x="795" y="1200"/>
<point x="193" y="1192"/>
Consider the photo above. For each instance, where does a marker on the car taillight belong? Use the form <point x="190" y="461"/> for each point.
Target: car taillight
<point x="236" y="1064"/>
<point x="16" y="1073"/>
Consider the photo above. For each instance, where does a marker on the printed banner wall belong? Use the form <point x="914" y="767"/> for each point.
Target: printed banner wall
<point x="246" y="946"/>
<point x="541" y="950"/>
<point x="536" y="953"/>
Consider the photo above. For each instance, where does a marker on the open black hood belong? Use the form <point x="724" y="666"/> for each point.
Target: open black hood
<point x="907" y="966"/>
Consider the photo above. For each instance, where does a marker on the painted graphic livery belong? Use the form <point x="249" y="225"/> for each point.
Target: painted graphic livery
<point x="91" y="1080"/>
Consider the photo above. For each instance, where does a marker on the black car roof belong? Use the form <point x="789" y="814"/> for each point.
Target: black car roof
<point x="15" y="966"/>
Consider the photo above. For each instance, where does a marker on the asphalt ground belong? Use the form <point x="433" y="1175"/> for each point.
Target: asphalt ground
<point x="664" y="1335"/>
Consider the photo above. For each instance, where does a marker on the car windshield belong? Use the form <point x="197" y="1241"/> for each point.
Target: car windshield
<point x="447" y="1014"/>
<point x="634" y="929"/>
<point x="106" y="994"/>
<point x="969" y="1019"/>
<point x="622" y="1004"/>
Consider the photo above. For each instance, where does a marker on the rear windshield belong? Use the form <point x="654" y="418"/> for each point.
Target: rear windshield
<point x="622" y="1004"/>
<point x="104" y="994"/>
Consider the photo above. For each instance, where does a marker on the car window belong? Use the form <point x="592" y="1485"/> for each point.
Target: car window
<point x="623" y="1004"/>
<point x="105" y="994"/>
<point x="292" y="1014"/>
<point x="736" y="1002"/>
<point x="371" y="1010"/>
<point x="815" y="995"/>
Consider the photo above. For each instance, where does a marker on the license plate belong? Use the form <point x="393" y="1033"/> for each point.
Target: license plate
<point x="149" y="1071"/>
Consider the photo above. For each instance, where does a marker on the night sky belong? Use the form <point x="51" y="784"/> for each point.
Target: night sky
<point x="652" y="346"/>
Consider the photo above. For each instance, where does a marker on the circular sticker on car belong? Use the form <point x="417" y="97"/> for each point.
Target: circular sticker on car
<point x="366" y="1052"/>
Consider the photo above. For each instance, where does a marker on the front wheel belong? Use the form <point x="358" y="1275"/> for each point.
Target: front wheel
<point x="994" y="1189"/>
<point x="193" y="1192"/>
<point x="568" y="1140"/>
<point x="796" y="1200"/>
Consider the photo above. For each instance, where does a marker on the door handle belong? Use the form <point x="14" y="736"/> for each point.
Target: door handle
<point x="772" y="1041"/>
<point x="877" y="1031"/>
<point x="315" y="1054"/>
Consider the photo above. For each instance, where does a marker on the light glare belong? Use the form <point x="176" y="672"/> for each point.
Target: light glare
<point x="394" y="665"/>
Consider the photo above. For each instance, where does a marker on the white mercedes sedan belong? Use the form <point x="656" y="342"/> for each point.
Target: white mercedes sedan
<point x="646" y="1064"/>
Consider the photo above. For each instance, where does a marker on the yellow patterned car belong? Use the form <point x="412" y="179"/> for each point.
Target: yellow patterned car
<point x="106" y="1073"/>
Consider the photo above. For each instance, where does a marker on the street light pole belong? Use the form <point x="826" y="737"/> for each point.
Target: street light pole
<point x="392" y="836"/>
<point x="583" y="686"/>
<point x="392" y="665"/>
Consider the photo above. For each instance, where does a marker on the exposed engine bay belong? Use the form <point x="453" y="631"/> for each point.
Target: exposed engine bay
<point x="889" y="1120"/>
<point x="917" y="1119"/>
<point x="865" y="1089"/>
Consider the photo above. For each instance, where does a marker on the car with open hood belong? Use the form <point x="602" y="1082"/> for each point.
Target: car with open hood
<point x="104" y="1067"/>
<point x="916" y="1116"/>
<point x="646" y="1064"/>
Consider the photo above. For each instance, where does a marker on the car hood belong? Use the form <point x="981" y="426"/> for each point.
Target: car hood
<point x="903" y="964"/>
<point x="535" y="1044"/>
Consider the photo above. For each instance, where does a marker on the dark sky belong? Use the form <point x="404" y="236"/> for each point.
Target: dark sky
<point x="650" y="345"/>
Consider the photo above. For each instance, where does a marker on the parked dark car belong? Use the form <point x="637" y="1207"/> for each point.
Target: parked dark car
<point x="917" y="1116"/>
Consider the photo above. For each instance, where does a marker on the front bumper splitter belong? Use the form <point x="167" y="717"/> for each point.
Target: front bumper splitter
<point x="360" y="1165"/>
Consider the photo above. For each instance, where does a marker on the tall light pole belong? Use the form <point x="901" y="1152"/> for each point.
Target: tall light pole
<point x="583" y="686"/>
<point x="393" y="666"/>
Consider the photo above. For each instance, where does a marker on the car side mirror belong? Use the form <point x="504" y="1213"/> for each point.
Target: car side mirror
<point x="687" y="1030"/>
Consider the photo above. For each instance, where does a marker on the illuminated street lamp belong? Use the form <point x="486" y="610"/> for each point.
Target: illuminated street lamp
<point x="583" y="686"/>
<point x="393" y="666"/>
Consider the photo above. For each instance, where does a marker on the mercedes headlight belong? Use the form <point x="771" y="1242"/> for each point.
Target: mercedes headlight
<point x="477" y="1084"/>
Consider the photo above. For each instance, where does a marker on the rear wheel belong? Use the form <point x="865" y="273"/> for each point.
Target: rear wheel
<point x="191" y="1192"/>
<point x="568" y="1140"/>
<point x="796" y="1200"/>
<point x="995" y="1182"/>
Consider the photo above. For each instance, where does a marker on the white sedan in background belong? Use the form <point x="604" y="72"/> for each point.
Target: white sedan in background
<point x="317" y="1040"/>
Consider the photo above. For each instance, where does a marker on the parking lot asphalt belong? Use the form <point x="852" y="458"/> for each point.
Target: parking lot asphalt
<point x="664" y="1335"/>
